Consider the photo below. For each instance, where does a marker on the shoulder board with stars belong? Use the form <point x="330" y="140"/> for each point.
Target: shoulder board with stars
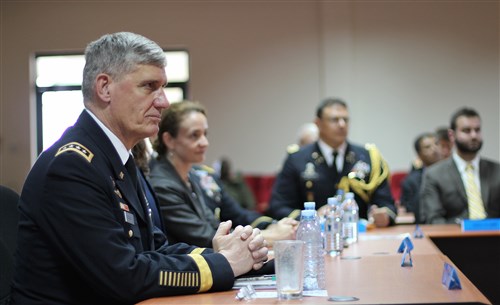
<point x="78" y="148"/>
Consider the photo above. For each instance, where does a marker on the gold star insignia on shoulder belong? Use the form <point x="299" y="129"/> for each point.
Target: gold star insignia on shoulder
<point x="78" y="148"/>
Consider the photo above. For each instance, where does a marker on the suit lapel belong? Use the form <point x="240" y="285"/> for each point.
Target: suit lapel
<point x="128" y="190"/>
<point x="456" y="179"/>
<point x="196" y="202"/>
<point x="484" y="172"/>
<point x="349" y="161"/>
<point x="200" y="206"/>
<point x="123" y="182"/>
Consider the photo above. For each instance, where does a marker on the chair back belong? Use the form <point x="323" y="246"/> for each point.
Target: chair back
<point x="395" y="184"/>
<point x="9" y="217"/>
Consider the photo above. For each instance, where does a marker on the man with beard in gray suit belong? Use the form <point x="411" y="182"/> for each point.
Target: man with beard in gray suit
<point x="450" y="192"/>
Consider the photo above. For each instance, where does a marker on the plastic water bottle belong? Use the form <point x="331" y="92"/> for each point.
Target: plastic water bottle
<point x="340" y="195"/>
<point x="311" y="205"/>
<point x="333" y="227"/>
<point x="351" y="219"/>
<point x="314" y="261"/>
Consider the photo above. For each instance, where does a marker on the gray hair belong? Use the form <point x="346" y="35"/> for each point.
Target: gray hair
<point x="308" y="129"/>
<point x="117" y="55"/>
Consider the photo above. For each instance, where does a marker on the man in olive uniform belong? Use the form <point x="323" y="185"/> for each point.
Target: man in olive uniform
<point x="85" y="229"/>
<point x="318" y="170"/>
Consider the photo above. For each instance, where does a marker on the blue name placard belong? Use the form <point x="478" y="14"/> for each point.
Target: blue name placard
<point x="450" y="277"/>
<point x="406" y="244"/>
<point x="418" y="232"/>
<point x="405" y="248"/>
<point x="489" y="224"/>
<point x="406" y="260"/>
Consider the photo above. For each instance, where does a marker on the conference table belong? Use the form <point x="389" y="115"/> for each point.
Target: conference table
<point x="371" y="270"/>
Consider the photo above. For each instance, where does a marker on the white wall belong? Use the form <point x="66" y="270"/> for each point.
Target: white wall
<point x="406" y="66"/>
<point x="262" y="67"/>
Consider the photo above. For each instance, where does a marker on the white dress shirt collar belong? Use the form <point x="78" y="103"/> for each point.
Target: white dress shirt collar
<point x="462" y="164"/>
<point x="327" y="152"/>
<point x="118" y="145"/>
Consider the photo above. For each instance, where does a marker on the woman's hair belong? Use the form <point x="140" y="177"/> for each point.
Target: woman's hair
<point x="141" y="157"/>
<point x="171" y="121"/>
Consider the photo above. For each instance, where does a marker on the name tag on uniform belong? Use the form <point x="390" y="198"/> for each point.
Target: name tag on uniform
<point x="129" y="217"/>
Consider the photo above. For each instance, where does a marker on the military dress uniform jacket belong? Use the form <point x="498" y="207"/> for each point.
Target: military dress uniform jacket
<point x="306" y="176"/>
<point x="219" y="200"/>
<point x="85" y="236"/>
<point x="443" y="198"/>
<point x="410" y="192"/>
<point x="189" y="214"/>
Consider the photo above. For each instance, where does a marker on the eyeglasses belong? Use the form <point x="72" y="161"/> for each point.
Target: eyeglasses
<point x="336" y="119"/>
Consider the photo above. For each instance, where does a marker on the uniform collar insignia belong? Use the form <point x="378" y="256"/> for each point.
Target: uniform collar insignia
<point x="318" y="159"/>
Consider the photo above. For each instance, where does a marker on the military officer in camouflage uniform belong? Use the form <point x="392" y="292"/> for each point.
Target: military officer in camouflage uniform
<point x="316" y="171"/>
<point x="85" y="229"/>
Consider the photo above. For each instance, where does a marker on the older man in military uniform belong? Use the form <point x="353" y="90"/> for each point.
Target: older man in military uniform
<point x="318" y="170"/>
<point x="85" y="230"/>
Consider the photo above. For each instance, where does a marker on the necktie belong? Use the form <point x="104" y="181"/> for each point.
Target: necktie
<point x="476" y="207"/>
<point x="334" y="164"/>
<point x="132" y="171"/>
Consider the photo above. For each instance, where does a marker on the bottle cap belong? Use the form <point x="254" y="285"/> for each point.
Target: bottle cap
<point x="310" y="205"/>
<point x="307" y="213"/>
<point x="349" y="195"/>
<point x="332" y="201"/>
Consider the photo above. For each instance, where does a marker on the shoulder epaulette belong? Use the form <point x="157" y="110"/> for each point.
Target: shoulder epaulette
<point x="207" y="168"/>
<point x="292" y="148"/>
<point x="417" y="164"/>
<point x="78" y="148"/>
<point x="369" y="146"/>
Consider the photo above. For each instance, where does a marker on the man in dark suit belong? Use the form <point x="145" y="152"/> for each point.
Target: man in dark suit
<point x="426" y="147"/>
<point x="85" y="236"/>
<point x="449" y="191"/>
<point x="317" y="170"/>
